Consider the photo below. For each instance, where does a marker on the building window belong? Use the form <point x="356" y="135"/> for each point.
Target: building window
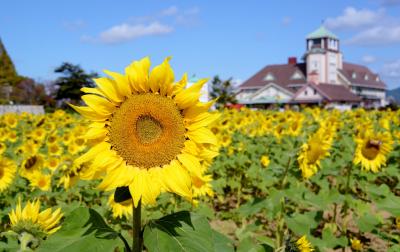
<point x="269" y="77"/>
<point x="377" y="79"/>
<point x="297" y="76"/>
<point x="315" y="91"/>
<point x="354" y="75"/>
<point x="305" y="92"/>
<point x="366" y="77"/>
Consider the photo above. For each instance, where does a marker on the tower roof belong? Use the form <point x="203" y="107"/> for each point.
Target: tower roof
<point x="321" y="32"/>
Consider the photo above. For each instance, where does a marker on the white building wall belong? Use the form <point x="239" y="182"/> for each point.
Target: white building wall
<point x="317" y="62"/>
<point x="32" y="109"/>
<point x="245" y="94"/>
<point x="309" y="93"/>
<point x="332" y="68"/>
<point x="271" y="92"/>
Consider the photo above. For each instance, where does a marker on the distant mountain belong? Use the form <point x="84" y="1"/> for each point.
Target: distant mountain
<point x="395" y="93"/>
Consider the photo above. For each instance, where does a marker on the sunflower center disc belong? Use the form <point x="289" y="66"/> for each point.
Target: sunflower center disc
<point x="314" y="152"/>
<point x="147" y="131"/>
<point x="371" y="150"/>
<point x="42" y="183"/>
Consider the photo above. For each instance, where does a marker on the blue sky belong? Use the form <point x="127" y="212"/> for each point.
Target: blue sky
<point x="228" y="38"/>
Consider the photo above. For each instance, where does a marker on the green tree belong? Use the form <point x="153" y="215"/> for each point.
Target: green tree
<point x="72" y="80"/>
<point x="8" y="74"/>
<point x="224" y="91"/>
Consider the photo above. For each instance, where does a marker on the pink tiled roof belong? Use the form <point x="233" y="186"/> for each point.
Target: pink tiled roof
<point x="361" y="71"/>
<point x="282" y="74"/>
<point x="332" y="93"/>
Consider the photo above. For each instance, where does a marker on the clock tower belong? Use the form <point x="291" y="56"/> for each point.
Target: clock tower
<point x="323" y="57"/>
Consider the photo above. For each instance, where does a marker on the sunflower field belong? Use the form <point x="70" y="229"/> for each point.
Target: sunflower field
<point x="230" y="180"/>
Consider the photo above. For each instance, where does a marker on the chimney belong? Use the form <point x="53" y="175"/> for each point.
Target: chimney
<point x="292" y="60"/>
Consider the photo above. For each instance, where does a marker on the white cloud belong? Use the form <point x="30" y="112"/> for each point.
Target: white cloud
<point x="391" y="70"/>
<point x="125" y="32"/>
<point x="160" y="23"/>
<point x="170" y="11"/>
<point x="368" y="59"/>
<point x="377" y="35"/>
<point x="353" y="18"/>
<point x="188" y="17"/>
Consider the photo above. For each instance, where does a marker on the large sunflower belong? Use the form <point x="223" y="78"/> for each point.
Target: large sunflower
<point x="7" y="172"/>
<point x="312" y="153"/>
<point x="30" y="219"/>
<point x="372" y="149"/>
<point x="151" y="133"/>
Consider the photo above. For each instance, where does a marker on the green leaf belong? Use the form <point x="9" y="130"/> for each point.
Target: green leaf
<point x="82" y="230"/>
<point x="181" y="231"/>
<point x="331" y="241"/>
<point x="249" y="245"/>
<point x="367" y="222"/>
<point x="301" y="224"/>
<point x="252" y="207"/>
<point x="390" y="203"/>
<point x="222" y="243"/>
<point x="267" y="241"/>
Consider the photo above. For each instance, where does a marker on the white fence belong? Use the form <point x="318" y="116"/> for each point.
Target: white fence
<point x="33" y="109"/>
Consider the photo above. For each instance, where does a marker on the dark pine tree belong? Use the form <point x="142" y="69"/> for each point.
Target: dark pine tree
<point x="72" y="80"/>
<point x="224" y="91"/>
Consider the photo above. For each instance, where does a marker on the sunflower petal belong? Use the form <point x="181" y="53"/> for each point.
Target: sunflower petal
<point x="123" y="83"/>
<point x="108" y="87"/>
<point x="161" y="77"/>
<point x="98" y="104"/>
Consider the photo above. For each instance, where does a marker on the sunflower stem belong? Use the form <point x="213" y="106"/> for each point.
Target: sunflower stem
<point x="137" y="227"/>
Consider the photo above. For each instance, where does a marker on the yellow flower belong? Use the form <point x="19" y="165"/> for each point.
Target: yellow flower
<point x="312" y="153"/>
<point x="52" y="163"/>
<point x="120" y="209"/>
<point x="12" y="136"/>
<point x="28" y="148"/>
<point x="54" y="149"/>
<point x="31" y="165"/>
<point x="372" y="150"/>
<point x="30" y="219"/>
<point x="41" y="181"/>
<point x="304" y="245"/>
<point x="38" y="134"/>
<point x="7" y="172"/>
<point x="202" y="186"/>
<point x="356" y="244"/>
<point x="148" y="129"/>
<point x="10" y="120"/>
<point x="265" y="160"/>
<point x="3" y="148"/>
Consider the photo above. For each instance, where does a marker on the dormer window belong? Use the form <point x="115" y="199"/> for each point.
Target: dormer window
<point x="297" y="76"/>
<point x="269" y="77"/>
<point x="354" y="75"/>
<point x="366" y="77"/>
<point x="377" y="79"/>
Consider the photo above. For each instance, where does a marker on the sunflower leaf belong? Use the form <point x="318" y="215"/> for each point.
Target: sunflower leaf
<point x="82" y="230"/>
<point x="183" y="231"/>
